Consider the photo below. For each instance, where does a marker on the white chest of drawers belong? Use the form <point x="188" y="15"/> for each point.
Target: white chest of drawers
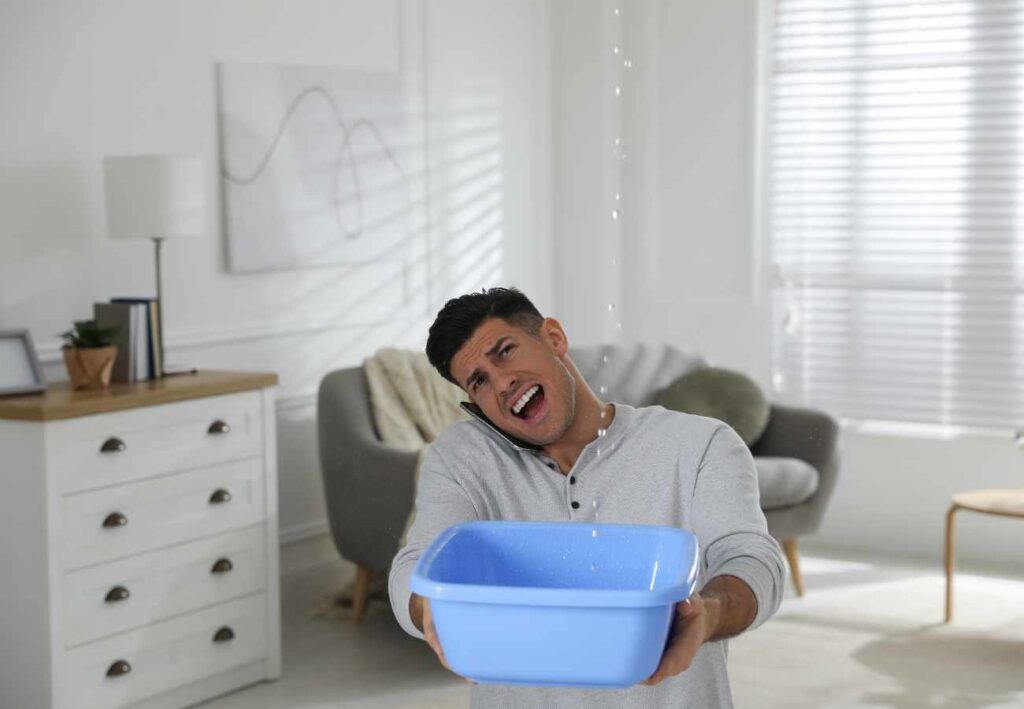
<point x="138" y="528"/>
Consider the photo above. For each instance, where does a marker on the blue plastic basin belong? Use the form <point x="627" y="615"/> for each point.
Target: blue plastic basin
<point x="556" y="603"/>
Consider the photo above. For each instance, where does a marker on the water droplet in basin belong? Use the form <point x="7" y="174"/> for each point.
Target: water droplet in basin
<point x="604" y="390"/>
<point x="593" y="568"/>
<point x="595" y="534"/>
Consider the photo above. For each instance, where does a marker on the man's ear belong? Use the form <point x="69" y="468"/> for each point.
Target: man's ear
<point x="552" y="333"/>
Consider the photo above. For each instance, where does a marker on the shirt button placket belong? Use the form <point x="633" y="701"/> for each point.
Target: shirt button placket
<point x="573" y="493"/>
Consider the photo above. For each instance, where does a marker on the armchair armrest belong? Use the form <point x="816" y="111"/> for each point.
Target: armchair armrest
<point x="800" y="433"/>
<point x="811" y="436"/>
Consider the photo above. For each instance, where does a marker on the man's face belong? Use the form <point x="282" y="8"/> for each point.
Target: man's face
<point x="518" y="379"/>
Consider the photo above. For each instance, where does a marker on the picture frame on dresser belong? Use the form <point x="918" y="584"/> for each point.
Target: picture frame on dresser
<point x="20" y="371"/>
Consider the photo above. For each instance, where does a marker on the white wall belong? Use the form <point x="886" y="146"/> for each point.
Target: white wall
<point x="895" y="488"/>
<point x="586" y="120"/>
<point x="686" y="267"/>
<point x="691" y="279"/>
<point x="519" y="194"/>
<point x="84" y="80"/>
<point x="692" y="267"/>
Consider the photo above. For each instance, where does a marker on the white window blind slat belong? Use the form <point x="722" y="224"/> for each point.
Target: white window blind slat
<point x="894" y="185"/>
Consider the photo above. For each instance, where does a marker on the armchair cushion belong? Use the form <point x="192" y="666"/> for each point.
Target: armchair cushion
<point x="784" y="482"/>
<point x="722" y="394"/>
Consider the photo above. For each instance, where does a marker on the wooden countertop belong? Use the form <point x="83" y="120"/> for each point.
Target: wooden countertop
<point x="59" y="401"/>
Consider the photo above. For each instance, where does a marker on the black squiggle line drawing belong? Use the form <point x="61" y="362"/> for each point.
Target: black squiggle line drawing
<point x="338" y="162"/>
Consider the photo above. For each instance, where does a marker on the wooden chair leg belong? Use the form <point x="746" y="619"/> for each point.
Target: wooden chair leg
<point x="793" y="557"/>
<point x="950" y="528"/>
<point x="364" y="577"/>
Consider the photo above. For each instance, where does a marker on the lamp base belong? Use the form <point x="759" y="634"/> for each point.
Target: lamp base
<point x="175" y="371"/>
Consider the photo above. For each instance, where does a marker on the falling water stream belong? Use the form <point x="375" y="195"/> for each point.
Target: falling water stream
<point x="621" y="63"/>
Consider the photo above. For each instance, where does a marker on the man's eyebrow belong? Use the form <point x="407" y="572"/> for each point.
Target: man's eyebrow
<point x="488" y="354"/>
<point x="497" y="346"/>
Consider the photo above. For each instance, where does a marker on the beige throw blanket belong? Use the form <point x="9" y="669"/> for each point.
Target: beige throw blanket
<point x="412" y="404"/>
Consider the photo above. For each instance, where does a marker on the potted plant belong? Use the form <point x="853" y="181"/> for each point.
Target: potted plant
<point x="89" y="354"/>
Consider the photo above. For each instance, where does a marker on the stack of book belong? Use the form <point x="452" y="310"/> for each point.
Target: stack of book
<point x="138" y="336"/>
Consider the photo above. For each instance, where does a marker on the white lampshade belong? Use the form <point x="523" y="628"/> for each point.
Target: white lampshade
<point x="155" y="196"/>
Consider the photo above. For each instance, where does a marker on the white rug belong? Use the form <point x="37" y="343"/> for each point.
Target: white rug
<point x="865" y="635"/>
<point x="869" y="635"/>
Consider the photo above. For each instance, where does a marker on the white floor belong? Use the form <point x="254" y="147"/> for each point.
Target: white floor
<point x="866" y="634"/>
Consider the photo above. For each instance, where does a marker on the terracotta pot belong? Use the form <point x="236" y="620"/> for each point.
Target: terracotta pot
<point x="90" y="368"/>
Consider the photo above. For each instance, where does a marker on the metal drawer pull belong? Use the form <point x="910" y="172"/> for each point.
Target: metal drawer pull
<point x="220" y="496"/>
<point x="119" y="668"/>
<point x="218" y="427"/>
<point x="222" y="566"/>
<point x="113" y="445"/>
<point x="115" y="519"/>
<point x="117" y="593"/>
<point x="223" y="635"/>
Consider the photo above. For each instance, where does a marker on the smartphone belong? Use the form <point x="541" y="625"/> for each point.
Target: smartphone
<point x="475" y="411"/>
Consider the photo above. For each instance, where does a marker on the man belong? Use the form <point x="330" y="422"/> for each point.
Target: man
<point x="544" y="447"/>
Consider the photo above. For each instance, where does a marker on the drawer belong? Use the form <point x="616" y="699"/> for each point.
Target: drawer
<point x="107" y="524"/>
<point x="110" y="449"/>
<point x="165" y="655"/>
<point x="111" y="598"/>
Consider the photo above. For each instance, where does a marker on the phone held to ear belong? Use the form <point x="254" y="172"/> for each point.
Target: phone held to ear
<point x="477" y="413"/>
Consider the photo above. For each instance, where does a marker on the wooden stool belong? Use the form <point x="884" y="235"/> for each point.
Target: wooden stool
<point x="1005" y="503"/>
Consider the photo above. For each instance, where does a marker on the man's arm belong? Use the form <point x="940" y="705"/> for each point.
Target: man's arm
<point x="440" y="503"/>
<point x="741" y="559"/>
<point x="731" y="606"/>
<point x="732" y="530"/>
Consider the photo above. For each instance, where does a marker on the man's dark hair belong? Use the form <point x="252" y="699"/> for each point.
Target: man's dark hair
<point x="460" y="317"/>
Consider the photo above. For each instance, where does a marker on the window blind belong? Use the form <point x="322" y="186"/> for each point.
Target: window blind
<point x="894" y="179"/>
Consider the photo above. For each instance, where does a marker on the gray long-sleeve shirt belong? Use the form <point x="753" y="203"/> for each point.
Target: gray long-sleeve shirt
<point x="653" y="466"/>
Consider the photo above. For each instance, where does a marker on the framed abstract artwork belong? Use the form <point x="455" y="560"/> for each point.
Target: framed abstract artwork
<point x="319" y="165"/>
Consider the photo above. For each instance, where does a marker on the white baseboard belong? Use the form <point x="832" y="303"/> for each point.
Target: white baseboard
<point x="308" y="548"/>
<point x="301" y="532"/>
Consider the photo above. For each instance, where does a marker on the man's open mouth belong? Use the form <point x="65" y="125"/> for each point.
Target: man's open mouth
<point x="530" y="403"/>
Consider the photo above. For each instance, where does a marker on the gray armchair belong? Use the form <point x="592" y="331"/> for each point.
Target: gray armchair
<point x="369" y="486"/>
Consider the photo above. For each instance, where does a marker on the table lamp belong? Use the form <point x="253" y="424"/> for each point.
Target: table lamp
<point x="155" y="197"/>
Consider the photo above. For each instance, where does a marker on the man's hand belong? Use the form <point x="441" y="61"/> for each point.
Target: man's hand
<point x="422" y="618"/>
<point x="725" y="607"/>
<point x="692" y="626"/>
